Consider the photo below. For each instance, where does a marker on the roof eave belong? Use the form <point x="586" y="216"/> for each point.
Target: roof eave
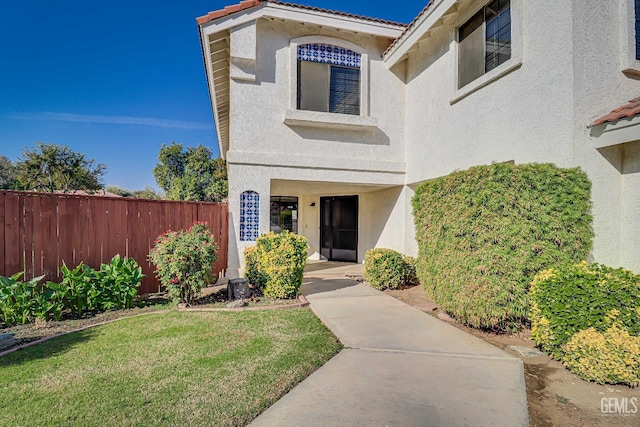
<point x="430" y="18"/>
<point x="256" y="10"/>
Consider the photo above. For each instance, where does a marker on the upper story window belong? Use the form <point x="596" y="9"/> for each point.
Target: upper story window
<point x="484" y="41"/>
<point x="328" y="79"/>
<point x="637" y="27"/>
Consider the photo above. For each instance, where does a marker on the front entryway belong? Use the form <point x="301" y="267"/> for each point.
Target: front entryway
<point x="339" y="228"/>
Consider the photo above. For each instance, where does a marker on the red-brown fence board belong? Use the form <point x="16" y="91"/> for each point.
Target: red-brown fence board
<point x="2" y="222"/>
<point x="40" y="231"/>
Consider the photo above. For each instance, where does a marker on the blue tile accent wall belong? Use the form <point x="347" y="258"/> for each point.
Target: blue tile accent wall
<point x="327" y="54"/>
<point x="249" y="216"/>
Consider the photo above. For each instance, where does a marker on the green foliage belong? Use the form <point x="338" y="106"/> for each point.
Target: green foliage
<point x="19" y="300"/>
<point x="388" y="269"/>
<point x="146" y="193"/>
<point x="113" y="286"/>
<point x="572" y="298"/>
<point x="192" y="174"/>
<point x="51" y="168"/>
<point x="252" y="269"/>
<point x="82" y="289"/>
<point x="281" y="259"/>
<point x="7" y="174"/>
<point x="410" y="273"/>
<point x="612" y="356"/>
<point x="183" y="260"/>
<point x="483" y="233"/>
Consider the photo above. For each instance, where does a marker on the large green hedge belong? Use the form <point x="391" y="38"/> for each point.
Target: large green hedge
<point x="483" y="233"/>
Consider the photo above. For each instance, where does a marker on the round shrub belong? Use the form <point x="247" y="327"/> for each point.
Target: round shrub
<point x="252" y="269"/>
<point x="183" y="260"/>
<point x="410" y="274"/>
<point x="484" y="232"/>
<point x="384" y="268"/>
<point x="612" y="356"/>
<point x="573" y="298"/>
<point x="281" y="261"/>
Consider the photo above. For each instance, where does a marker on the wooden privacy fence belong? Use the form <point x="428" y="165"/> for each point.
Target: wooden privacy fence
<point x="40" y="231"/>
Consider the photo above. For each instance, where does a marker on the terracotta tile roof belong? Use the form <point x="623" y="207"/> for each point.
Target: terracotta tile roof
<point x="410" y="26"/>
<point x="247" y="4"/>
<point x="629" y="110"/>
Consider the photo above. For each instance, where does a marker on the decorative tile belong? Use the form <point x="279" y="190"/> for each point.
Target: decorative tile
<point x="328" y="54"/>
<point x="249" y="216"/>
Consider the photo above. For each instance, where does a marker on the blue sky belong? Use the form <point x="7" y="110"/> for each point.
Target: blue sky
<point x="117" y="79"/>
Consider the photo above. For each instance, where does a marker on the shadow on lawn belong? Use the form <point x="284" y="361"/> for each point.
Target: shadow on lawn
<point x="54" y="347"/>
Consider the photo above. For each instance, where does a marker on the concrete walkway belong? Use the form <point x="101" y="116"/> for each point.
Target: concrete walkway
<point x="400" y="367"/>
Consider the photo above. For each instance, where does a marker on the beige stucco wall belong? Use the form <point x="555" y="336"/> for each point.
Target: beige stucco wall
<point x="599" y="86"/>
<point x="539" y="112"/>
<point x="258" y="108"/>
<point x="568" y="71"/>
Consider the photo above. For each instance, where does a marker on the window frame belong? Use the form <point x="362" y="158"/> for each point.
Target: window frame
<point x="283" y="201"/>
<point x="364" y="73"/>
<point x="514" y="63"/>
<point x="629" y="62"/>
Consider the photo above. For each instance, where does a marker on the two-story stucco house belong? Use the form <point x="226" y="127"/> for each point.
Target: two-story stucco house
<point x="329" y="121"/>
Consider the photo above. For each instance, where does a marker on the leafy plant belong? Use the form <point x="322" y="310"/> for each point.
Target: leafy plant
<point x="118" y="283"/>
<point x="281" y="258"/>
<point x="22" y="302"/>
<point x="483" y="233"/>
<point x="81" y="294"/>
<point x="569" y="299"/>
<point x="612" y="356"/>
<point x="252" y="269"/>
<point x="386" y="269"/>
<point x="183" y="260"/>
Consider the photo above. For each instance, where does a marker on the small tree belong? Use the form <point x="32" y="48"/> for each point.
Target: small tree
<point x="51" y="168"/>
<point x="183" y="260"/>
<point x="192" y="174"/>
<point x="147" y="193"/>
<point x="7" y="174"/>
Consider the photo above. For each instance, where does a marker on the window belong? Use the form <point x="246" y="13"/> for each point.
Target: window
<point x="328" y="79"/>
<point x="284" y="214"/>
<point x="637" y="28"/>
<point x="484" y="41"/>
<point x="249" y="216"/>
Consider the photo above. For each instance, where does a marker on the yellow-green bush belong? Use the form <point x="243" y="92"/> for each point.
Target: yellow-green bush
<point x="612" y="356"/>
<point x="388" y="269"/>
<point x="483" y="233"/>
<point x="570" y="299"/>
<point x="281" y="259"/>
<point x="252" y="269"/>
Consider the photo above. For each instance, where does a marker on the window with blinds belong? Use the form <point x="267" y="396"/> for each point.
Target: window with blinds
<point x="637" y="27"/>
<point x="328" y="79"/>
<point x="484" y="41"/>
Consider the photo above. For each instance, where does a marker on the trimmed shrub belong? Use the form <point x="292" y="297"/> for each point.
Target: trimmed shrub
<point x="184" y="260"/>
<point x="281" y="260"/>
<point x="612" y="356"/>
<point x="410" y="274"/>
<point x="388" y="269"/>
<point x="483" y="233"/>
<point x="251" y="268"/>
<point x="573" y="298"/>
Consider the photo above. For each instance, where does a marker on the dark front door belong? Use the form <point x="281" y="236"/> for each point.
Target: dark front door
<point x="339" y="228"/>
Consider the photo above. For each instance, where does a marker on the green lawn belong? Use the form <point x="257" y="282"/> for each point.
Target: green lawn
<point x="206" y="368"/>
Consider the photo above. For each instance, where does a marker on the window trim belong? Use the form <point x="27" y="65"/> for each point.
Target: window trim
<point x="629" y="64"/>
<point x="501" y="70"/>
<point x="293" y="72"/>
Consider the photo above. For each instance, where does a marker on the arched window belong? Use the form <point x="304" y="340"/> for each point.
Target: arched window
<point x="249" y="216"/>
<point x="328" y="78"/>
